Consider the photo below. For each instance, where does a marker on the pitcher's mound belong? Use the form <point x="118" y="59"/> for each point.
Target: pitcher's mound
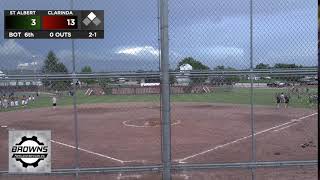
<point x="151" y="122"/>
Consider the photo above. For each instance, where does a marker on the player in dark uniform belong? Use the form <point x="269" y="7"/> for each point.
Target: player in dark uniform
<point x="278" y="100"/>
<point x="287" y="99"/>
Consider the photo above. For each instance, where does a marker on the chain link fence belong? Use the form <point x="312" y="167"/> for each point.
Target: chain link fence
<point x="176" y="90"/>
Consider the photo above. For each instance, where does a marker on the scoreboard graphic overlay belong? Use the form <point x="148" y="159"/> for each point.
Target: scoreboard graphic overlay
<point x="54" y="24"/>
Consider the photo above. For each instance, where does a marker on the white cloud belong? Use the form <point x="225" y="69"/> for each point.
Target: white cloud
<point x="32" y="65"/>
<point x="12" y="53"/>
<point x="12" y="48"/>
<point x="138" y="51"/>
<point x="23" y="65"/>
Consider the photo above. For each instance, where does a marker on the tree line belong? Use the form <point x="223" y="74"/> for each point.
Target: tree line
<point x="52" y="65"/>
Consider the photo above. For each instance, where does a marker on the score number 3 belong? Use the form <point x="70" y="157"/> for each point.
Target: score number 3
<point x="33" y="22"/>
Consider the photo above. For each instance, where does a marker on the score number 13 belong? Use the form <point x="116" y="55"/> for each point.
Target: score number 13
<point x="71" y="22"/>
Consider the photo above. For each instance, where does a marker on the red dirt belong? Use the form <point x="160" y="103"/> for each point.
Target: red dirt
<point x="203" y="127"/>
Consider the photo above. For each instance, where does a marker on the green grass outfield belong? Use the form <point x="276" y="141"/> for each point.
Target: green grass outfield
<point x="234" y="96"/>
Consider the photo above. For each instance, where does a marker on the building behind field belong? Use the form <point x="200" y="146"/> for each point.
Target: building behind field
<point x="5" y="82"/>
<point x="184" y="77"/>
<point x="2" y="78"/>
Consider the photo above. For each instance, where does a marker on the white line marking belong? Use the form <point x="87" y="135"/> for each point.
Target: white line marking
<point x="136" y="161"/>
<point x="4" y="126"/>
<point x="135" y="176"/>
<point x="185" y="177"/>
<point x="282" y="128"/>
<point x="90" y="152"/>
<point x="243" y="138"/>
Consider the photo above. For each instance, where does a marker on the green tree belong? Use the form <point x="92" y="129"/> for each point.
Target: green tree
<point x="262" y="66"/>
<point x="197" y="66"/>
<point x="53" y="66"/>
<point x="286" y="66"/>
<point x="87" y="70"/>
<point x="219" y="68"/>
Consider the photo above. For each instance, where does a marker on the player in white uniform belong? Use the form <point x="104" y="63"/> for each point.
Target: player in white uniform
<point x="54" y="102"/>
<point x="5" y="103"/>
<point x="26" y="100"/>
<point x="23" y="101"/>
<point x="282" y="98"/>
<point x="16" y="102"/>
<point x="11" y="101"/>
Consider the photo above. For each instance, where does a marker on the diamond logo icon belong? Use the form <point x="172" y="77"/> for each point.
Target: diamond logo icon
<point x="86" y="21"/>
<point x="92" y="16"/>
<point x="96" y="21"/>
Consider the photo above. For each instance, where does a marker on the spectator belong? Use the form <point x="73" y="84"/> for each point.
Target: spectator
<point x="16" y="103"/>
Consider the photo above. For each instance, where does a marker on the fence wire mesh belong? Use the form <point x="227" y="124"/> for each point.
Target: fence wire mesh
<point x="242" y="92"/>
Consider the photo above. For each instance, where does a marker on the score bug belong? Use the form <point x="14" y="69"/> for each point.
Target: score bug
<point x="52" y="24"/>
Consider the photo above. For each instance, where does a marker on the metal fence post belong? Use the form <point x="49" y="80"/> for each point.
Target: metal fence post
<point x="165" y="91"/>
<point x="75" y="111"/>
<point x="253" y="150"/>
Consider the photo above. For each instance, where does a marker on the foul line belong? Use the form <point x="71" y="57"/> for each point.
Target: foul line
<point x="90" y="152"/>
<point x="243" y="138"/>
<point x="98" y="154"/>
<point x="285" y="127"/>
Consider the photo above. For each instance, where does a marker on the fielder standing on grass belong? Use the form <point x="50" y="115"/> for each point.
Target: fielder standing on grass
<point x="5" y="102"/>
<point x="22" y="101"/>
<point x="54" y="102"/>
<point x="286" y="98"/>
<point x="278" y="100"/>
<point x="282" y="99"/>
<point x="26" y="100"/>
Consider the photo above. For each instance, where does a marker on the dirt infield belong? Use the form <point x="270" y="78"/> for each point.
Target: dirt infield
<point x="201" y="133"/>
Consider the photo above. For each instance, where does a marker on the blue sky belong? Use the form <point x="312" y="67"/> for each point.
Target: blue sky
<point x="214" y="32"/>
